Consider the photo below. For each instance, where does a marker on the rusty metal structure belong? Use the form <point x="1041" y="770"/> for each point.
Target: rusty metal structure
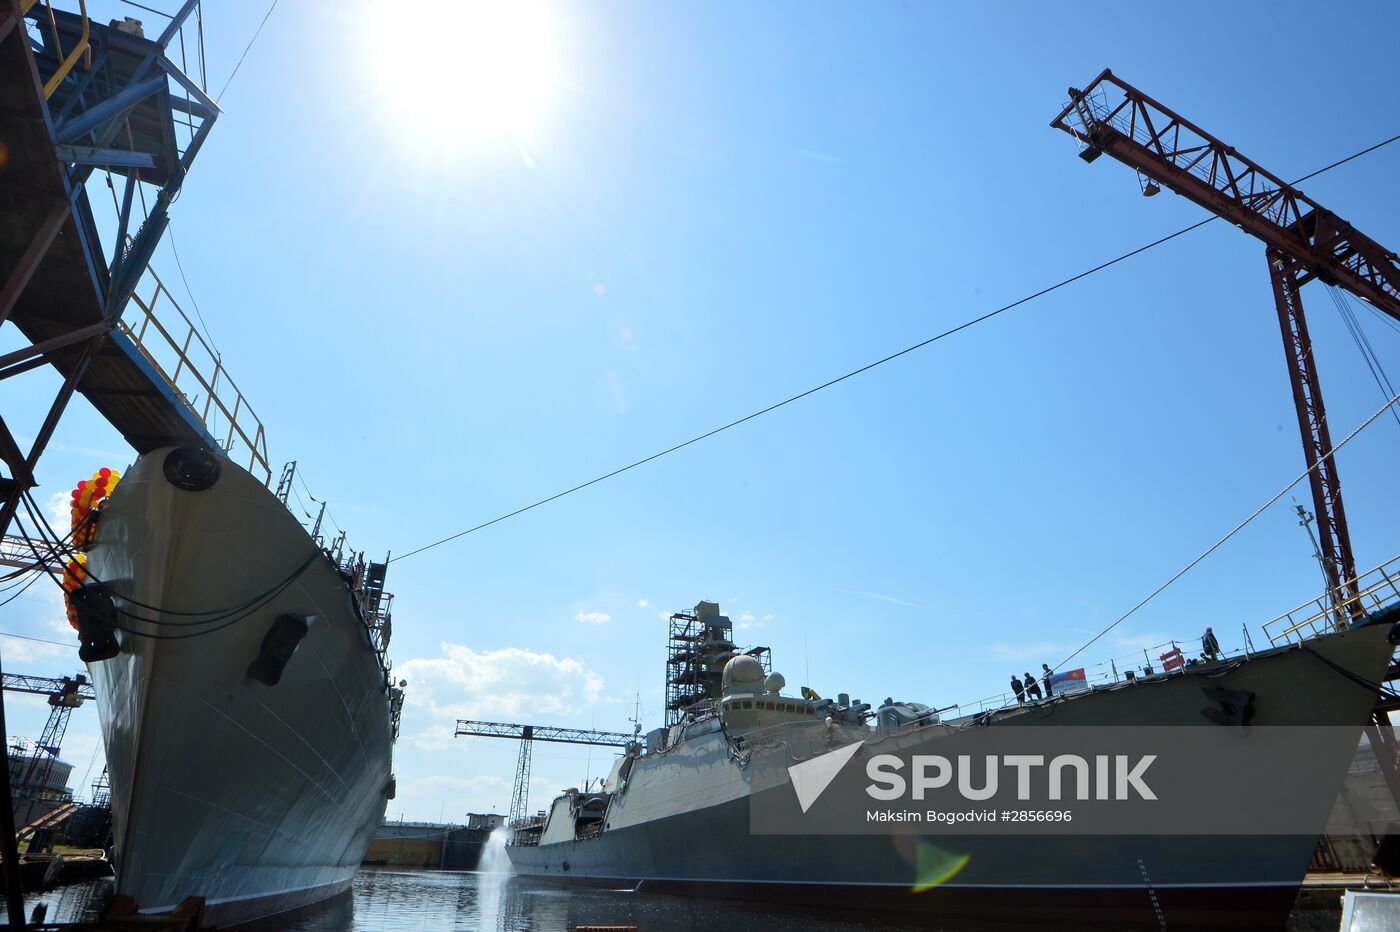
<point x="1303" y="241"/>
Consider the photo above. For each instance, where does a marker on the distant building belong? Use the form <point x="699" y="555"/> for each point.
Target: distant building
<point x="39" y="783"/>
<point x="431" y="845"/>
<point x="485" y="820"/>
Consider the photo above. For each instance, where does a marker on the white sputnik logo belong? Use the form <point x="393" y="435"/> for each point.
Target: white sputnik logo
<point x="811" y="777"/>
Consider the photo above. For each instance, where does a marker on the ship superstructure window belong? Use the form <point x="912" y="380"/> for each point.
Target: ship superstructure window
<point x="748" y="704"/>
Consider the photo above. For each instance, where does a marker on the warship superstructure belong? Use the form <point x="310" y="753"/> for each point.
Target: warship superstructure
<point x="674" y="814"/>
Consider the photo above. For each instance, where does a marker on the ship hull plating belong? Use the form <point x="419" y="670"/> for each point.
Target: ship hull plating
<point x="682" y="825"/>
<point x="259" y="798"/>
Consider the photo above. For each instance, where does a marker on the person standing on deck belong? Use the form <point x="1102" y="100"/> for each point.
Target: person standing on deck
<point x="1209" y="645"/>
<point x="1045" y="674"/>
<point x="1018" y="689"/>
<point x="1032" y="690"/>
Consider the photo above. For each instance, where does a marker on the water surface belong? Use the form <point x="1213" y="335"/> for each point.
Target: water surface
<point x="391" y="900"/>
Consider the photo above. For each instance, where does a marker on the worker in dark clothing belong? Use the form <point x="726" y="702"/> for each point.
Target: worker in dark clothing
<point x="1018" y="689"/>
<point x="1045" y="674"/>
<point x="1210" y="646"/>
<point x="1032" y="690"/>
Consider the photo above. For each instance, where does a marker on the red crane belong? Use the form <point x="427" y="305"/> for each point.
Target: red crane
<point x="1302" y="241"/>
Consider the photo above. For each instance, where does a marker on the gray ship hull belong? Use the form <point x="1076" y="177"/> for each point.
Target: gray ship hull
<point x="1117" y="881"/>
<point x="259" y="798"/>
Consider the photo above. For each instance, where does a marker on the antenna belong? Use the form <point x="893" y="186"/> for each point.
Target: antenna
<point x="284" y="485"/>
<point x="1305" y="521"/>
<point x="316" y="531"/>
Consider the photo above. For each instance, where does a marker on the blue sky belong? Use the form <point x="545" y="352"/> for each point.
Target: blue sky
<point x="712" y="208"/>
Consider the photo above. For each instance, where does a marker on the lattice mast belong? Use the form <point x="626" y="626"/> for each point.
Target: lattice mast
<point x="699" y="643"/>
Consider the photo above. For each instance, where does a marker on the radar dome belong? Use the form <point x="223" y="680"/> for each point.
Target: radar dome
<point x="774" y="683"/>
<point x="743" y="673"/>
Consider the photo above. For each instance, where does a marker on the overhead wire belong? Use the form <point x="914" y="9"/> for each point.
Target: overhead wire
<point x="249" y="47"/>
<point x="1235" y="530"/>
<point x="25" y="637"/>
<point x="817" y="388"/>
<point x="1363" y="346"/>
<point x="220" y="618"/>
<point x="147" y="9"/>
<point x="36" y="577"/>
<point x="879" y="362"/>
<point x="1385" y="318"/>
<point x="170" y="234"/>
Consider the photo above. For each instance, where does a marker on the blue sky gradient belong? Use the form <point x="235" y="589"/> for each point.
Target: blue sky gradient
<point x="723" y="205"/>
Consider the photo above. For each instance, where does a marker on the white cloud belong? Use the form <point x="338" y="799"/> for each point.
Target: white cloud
<point x="512" y="682"/>
<point x="484" y="783"/>
<point x="883" y="598"/>
<point x="594" y="618"/>
<point x="59" y="510"/>
<point x="111" y="457"/>
<point x="64" y="630"/>
<point x="449" y="797"/>
<point x="431" y="738"/>
<point x="29" y="699"/>
<point x="642" y="603"/>
<point x="21" y="652"/>
<point x="747" y="620"/>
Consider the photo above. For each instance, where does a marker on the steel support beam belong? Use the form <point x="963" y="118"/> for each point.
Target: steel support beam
<point x="9" y="362"/>
<point x="520" y="791"/>
<point x="1303" y="240"/>
<point x="1111" y="116"/>
<point x="33" y="255"/>
<point x="1383" y="742"/>
<point x="616" y="739"/>
<point x="60" y="404"/>
<point x="115" y="158"/>
<point x="111" y="109"/>
<point x="1333" y="539"/>
<point x="528" y="735"/>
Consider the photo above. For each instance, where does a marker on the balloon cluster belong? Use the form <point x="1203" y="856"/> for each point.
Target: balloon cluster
<point x="87" y="499"/>
<point x="73" y="575"/>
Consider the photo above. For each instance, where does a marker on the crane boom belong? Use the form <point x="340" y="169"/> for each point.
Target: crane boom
<point x="528" y="735"/>
<point x="73" y="689"/>
<point x="1114" y="117"/>
<point x="1303" y="241"/>
<point x="19" y="552"/>
<point x="618" y="739"/>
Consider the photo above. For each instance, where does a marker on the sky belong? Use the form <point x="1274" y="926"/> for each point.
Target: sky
<point x="458" y="261"/>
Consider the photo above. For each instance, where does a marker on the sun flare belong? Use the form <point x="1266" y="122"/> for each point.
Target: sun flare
<point x="474" y="70"/>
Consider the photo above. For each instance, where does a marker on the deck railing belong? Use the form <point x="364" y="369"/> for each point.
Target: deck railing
<point x="1376" y="588"/>
<point x="197" y="374"/>
<point x="66" y="62"/>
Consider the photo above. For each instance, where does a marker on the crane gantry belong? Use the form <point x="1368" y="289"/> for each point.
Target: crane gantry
<point x="528" y="734"/>
<point x="1302" y="241"/>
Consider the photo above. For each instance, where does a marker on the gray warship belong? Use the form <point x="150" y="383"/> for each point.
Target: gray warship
<point x="674" y="813"/>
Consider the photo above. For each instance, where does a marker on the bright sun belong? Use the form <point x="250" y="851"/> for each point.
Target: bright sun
<point x="468" y="71"/>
